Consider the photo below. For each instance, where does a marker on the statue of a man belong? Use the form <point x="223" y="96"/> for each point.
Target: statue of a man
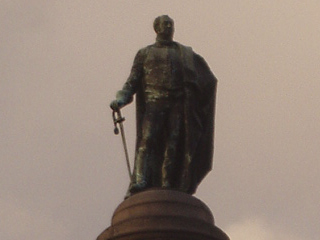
<point x="175" y="98"/>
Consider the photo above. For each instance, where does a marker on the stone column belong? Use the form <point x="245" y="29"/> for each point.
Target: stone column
<point x="162" y="215"/>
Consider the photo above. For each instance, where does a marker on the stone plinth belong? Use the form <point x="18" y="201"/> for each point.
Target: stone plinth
<point x="162" y="214"/>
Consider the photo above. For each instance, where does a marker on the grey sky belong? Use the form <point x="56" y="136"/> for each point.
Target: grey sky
<point x="62" y="169"/>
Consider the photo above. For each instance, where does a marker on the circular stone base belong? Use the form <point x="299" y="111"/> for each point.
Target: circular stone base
<point x="162" y="214"/>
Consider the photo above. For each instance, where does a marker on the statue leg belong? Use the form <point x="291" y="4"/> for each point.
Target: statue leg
<point x="145" y="157"/>
<point x="174" y="137"/>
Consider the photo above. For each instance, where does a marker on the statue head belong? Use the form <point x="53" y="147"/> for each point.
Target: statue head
<point x="164" y="27"/>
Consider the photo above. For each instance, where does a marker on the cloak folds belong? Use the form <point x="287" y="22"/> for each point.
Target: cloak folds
<point x="199" y="103"/>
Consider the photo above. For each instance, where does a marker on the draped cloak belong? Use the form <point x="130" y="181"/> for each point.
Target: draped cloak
<point x="199" y="86"/>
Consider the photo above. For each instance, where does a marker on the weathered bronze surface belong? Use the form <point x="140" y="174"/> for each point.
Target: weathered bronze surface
<point x="175" y="98"/>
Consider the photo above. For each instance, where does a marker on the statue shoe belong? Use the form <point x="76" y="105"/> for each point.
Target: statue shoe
<point x="137" y="187"/>
<point x="166" y="184"/>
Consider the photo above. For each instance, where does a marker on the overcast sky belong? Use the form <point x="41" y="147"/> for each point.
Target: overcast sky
<point x="62" y="171"/>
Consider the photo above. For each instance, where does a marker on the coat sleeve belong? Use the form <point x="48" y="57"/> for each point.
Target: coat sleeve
<point x="134" y="80"/>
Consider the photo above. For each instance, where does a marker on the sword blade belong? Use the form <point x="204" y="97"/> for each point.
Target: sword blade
<point x="125" y="146"/>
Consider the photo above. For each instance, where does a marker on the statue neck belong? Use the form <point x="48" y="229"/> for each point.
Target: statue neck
<point x="160" y="40"/>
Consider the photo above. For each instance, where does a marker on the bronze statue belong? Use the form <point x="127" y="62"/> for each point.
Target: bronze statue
<point x="175" y="99"/>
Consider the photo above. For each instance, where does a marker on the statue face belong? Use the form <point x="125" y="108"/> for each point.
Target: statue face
<point x="165" y="27"/>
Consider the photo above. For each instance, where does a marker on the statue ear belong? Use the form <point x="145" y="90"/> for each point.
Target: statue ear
<point x="156" y="28"/>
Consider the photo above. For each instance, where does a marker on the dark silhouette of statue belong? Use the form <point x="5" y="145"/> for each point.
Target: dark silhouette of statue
<point x="175" y="99"/>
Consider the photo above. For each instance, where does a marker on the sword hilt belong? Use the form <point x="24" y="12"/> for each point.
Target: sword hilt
<point x="117" y="118"/>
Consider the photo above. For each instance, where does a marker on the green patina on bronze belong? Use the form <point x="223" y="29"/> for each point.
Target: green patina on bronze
<point x="175" y="99"/>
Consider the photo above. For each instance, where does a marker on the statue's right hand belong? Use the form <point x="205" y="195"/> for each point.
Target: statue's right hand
<point x="115" y="105"/>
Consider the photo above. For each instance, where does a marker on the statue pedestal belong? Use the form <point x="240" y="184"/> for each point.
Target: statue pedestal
<point x="162" y="214"/>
